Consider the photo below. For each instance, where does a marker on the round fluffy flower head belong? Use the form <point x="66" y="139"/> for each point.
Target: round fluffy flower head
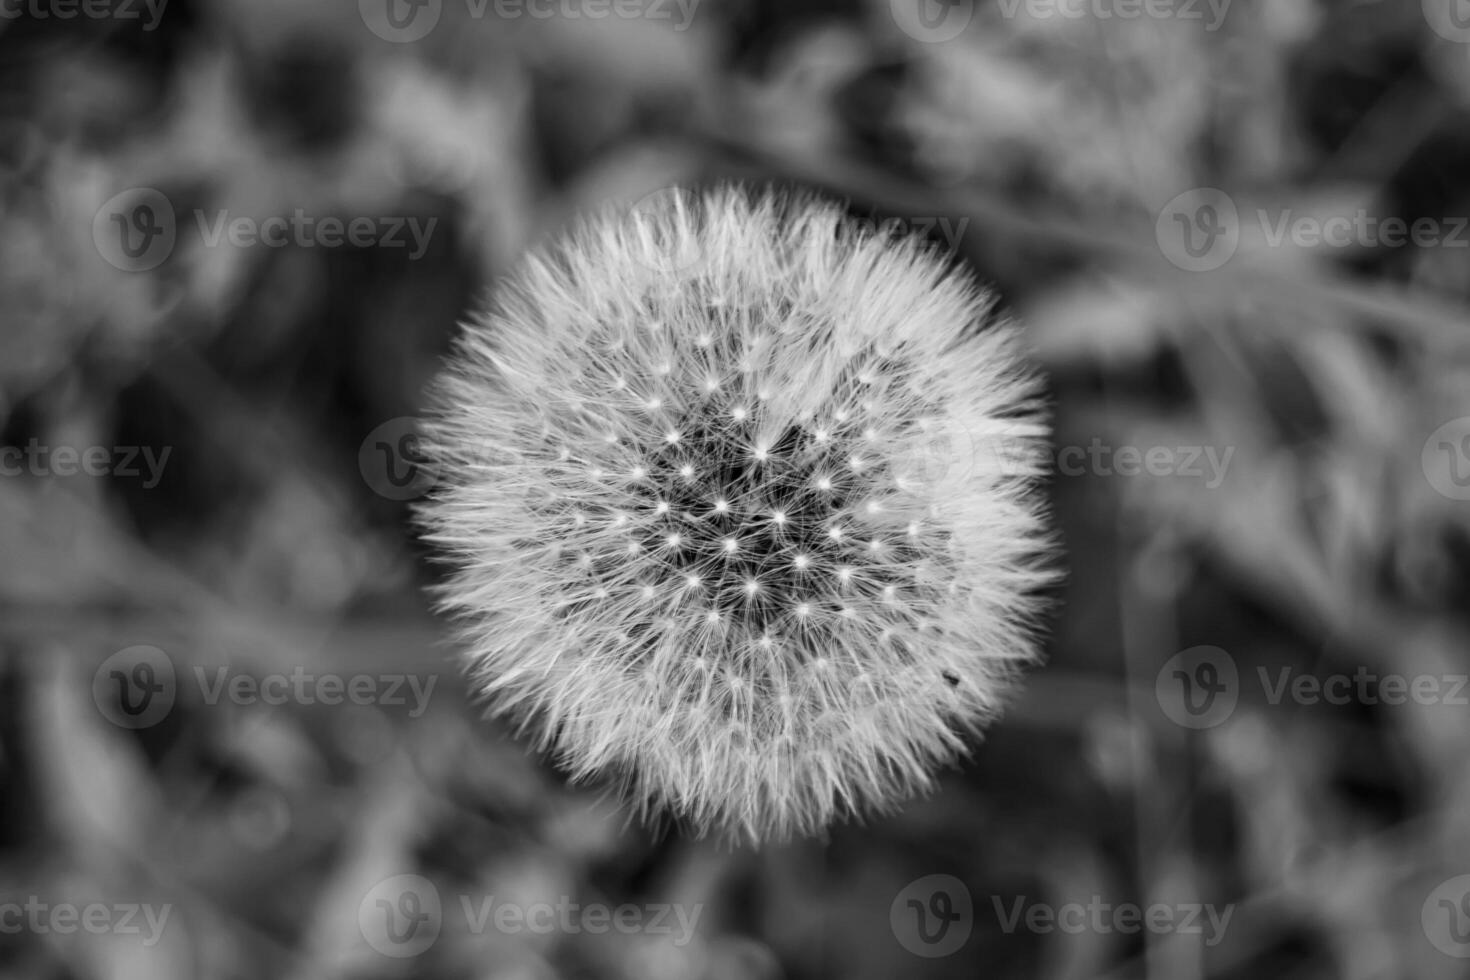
<point x="740" y="505"/>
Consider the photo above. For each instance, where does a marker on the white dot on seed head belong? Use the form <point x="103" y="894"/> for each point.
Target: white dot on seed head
<point x="712" y="616"/>
<point x="870" y="433"/>
<point x="692" y="581"/>
<point x="913" y="530"/>
<point x="840" y="415"/>
<point x="845" y="574"/>
<point x="648" y="592"/>
<point x="888" y="592"/>
<point x="766" y="642"/>
<point x="762" y="395"/>
<point x="761" y="453"/>
<point x="803" y="609"/>
<point x="824" y="484"/>
<point x="752" y="586"/>
<point x="673" y="540"/>
<point x="620" y="383"/>
<point x="820" y="663"/>
<point x="671" y="437"/>
<point x="875" y="545"/>
<point x="703" y="340"/>
<point x="639" y="472"/>
<point x="874" y="507"/>
<point x="601" y="593"/>
<point x="739" y="413"/>
<point x="686" y="471"/>
<point x="722" y="505"/>
<point x="821" y="435"/>
<point x="835" y="533"/>
<point x="846" y="612"/>
<point x="801" y="561"/>
<point x="855" y="462"/>
<point x="779" y="516"/>
<point x="731" y="545"/>
<point x="655" y="403"/>
<point x="611" y="437"/>
<point x="664" y="368"/>
<point x="633" y="548"/>
<point x="662" y="507"/>
<point x="710" y="384"/>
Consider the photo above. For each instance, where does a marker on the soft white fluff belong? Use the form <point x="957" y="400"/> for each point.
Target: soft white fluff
<point x="757" y="537"/>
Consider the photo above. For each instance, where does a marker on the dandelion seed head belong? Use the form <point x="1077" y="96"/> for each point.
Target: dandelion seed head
<point x="762" y="648"/>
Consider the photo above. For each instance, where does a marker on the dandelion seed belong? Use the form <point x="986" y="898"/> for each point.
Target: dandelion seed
<point x="881" y="345"/>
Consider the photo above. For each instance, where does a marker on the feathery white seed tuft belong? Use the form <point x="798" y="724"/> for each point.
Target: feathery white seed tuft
<point x="808" y="583"/>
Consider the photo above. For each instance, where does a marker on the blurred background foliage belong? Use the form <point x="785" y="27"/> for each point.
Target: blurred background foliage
<point x="1052" y="143"/>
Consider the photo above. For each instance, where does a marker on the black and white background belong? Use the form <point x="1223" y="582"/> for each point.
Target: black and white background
<point x="235" y="239"/>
